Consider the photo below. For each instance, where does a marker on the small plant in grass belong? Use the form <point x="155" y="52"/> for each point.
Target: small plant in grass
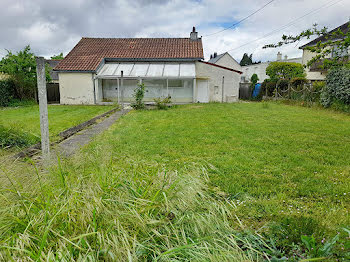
<point x="139" y="94"/>
<point x="162" y="104"/>
<point x="318" y="250"/>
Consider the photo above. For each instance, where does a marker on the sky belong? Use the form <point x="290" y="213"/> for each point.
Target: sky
<point x="52" y="27"/>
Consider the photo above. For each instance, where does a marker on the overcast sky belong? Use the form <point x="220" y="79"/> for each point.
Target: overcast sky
<point x="51" y="27"/>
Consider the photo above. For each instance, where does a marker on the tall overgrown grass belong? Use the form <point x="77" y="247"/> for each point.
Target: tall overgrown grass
<point x="121" y="210"/>
<point x="9" y="137"/>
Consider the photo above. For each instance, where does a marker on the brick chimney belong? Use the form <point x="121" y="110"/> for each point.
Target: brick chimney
<point x="215" y="54"/>
<point x="194" y="34"/>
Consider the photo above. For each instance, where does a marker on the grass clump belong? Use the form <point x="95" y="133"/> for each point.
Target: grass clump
<point x="121" y="210"/>
<point x="15" y="138"/>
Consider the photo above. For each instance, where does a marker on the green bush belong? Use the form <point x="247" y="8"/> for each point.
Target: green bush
<point x="269" y="86"/>
<point x="162" y="104"/>
<point x="298" y="82"/>
<point x="7" y="89"/>
<point x="284" y="70"/>
<point x="139" y="94"/>
<point x="337" y="87"/>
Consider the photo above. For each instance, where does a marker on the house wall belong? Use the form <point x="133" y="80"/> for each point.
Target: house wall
<point x="76" y="88"/>
<point x="307" y="56"/>
<point x="259" y="69"/>
<point x="227" y="61"/>
<point x="215" y="75"/>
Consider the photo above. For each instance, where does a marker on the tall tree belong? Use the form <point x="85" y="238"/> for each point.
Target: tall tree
<point x="21" y="66"/>
<point x="246" y="59"/>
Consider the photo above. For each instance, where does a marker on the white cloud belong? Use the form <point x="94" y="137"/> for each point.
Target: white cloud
<point x="51" y="27"/>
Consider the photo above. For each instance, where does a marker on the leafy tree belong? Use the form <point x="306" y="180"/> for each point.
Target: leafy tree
<point x="246" y="59"/>
<point x="22" y="68"/>
<point x="284" y="70"/>
<point x="58" y="57"/>
<point x="254" y="79"/>
<point x="336" y="41"/>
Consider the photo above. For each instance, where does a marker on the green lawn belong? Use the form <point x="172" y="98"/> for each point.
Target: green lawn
<point x="61" y="117"/>
<point x="280" y="163"/>
<point x="142" y="188"/>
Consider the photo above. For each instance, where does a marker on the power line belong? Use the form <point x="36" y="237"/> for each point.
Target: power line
<point x="240" y="21"/>
<point x="287" y="25"/>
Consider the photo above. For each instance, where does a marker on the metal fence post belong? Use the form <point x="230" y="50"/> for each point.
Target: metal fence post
<point x="44" y="121"/>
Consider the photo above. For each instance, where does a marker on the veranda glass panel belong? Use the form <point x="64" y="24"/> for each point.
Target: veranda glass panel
<point x="109" y="90"/>
<point x="181" y="91"/>
<point x="127" y="91"/>
<point x="155" y="88"/>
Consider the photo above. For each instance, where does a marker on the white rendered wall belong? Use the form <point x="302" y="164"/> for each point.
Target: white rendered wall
<point x="215" y="75"/>
<point x="76" y="88"/>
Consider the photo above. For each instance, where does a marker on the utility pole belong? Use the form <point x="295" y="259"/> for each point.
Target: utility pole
<point x="44" y="121"/>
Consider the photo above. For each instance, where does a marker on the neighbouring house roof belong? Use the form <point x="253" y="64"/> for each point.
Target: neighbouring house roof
<point x="223" y="67"/>
<point x="215" y="59"/>
<point x="344" y="28"/>
<point x="88" y="54"/>
<point x="53" y="63"/>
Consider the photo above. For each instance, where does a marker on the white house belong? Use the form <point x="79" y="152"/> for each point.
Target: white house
<point x="314" y="72"/>
<point x="109" y="69"/>
<point x="260" y="69"/>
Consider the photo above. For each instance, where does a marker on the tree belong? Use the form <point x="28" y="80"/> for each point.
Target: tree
<point x="336" y="42"/>
<point x="254" y="79"/>
<point x="22" y="68"/>
<point x="246" y="59"/>
<point x="284" y="70"/>
<point x="58" y="57"/>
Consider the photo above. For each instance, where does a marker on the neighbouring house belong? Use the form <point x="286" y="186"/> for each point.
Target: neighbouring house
<point x="52" y="87"/>
<point x="260" y="68"/>
<point x="226" y="60"/>
<point x="109" y="69"/>
<point x="315" y="72"/>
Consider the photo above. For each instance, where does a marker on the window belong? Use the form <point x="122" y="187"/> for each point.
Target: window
<point x="337" y="51"/>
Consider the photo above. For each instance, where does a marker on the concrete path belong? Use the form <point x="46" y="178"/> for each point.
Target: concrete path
<point x="69" y="146"/>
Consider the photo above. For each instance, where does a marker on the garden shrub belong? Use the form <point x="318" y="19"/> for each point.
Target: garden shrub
<point x="7" y="89"/>
<point x="139" y="94"/>
<point x="162" y="104"/>
<point x="282" y="84"/>
<point x="269" y="86"/>
<point x="284" y="70"/>
<point x="298" y="82"/>
<point x="337" y="87"/>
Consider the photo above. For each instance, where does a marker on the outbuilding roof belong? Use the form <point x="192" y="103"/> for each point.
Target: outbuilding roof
<point x="88" y="54"/>
<point x="216" y="58"/>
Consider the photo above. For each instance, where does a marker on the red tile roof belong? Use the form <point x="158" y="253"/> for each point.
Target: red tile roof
<point x="89" y="52"/>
